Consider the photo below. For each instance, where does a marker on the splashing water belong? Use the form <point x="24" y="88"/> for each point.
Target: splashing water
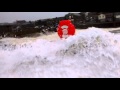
<point x="92" y="53"/>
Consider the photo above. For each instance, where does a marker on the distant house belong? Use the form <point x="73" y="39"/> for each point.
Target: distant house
<point x="117" y="16"/>
<point x="72" y="15"/>
<point x="20" y="21"/>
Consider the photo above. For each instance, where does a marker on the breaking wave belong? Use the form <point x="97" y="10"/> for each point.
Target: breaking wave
<point x="92" y="53"/>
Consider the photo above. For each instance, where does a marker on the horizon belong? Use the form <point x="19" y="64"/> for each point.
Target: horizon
<point x="10" y="17"/>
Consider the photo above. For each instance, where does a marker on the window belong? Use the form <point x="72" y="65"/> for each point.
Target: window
<point x="101" y="16"/>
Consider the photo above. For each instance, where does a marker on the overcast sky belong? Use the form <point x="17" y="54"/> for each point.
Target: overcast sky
<point x="13" y="16"/>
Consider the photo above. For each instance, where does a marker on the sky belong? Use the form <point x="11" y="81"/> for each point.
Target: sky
<point x="10" y="17"/>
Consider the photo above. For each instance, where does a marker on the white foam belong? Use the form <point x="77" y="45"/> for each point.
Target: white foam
<point x="92" y="53"/>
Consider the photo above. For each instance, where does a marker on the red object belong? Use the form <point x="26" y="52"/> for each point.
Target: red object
<point x="65" y="29"/>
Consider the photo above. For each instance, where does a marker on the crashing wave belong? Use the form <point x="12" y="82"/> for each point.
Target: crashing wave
<point x="93" y="53"/>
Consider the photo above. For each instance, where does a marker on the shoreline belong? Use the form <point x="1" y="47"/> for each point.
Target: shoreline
<point x="50" y="37"/>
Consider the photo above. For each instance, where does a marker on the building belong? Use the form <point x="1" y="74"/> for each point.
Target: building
<point x="20" y="21"/>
